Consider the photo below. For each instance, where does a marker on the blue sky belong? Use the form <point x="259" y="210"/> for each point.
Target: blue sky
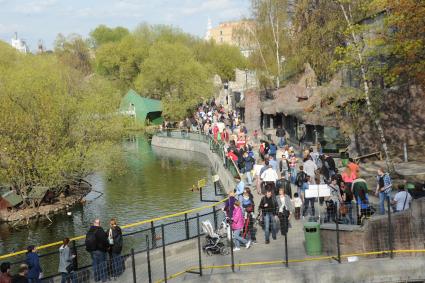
<point x="44" y="19"/>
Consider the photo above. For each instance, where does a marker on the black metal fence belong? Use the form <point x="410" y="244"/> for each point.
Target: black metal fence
<point x="161" y="260"/>
<point x="168" y="249"/>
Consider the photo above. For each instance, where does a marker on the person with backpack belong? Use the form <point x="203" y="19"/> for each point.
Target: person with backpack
<point x="97" y="245"/>
<point x="115" y="241"/>
<point x="269" y="208"/>
<point x="248" y="166"/>
<point x="273" y="150"/>
<point x="300" y="182"/>
<point x="66" y="263"/>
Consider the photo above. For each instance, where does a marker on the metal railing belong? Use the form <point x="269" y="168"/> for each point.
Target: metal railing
<point x="218" y="147"/>
<point x="171" y="261"/>
<point x="168" y="249"/>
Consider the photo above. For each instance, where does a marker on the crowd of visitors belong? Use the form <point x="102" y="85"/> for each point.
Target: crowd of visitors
<point x="280" y="174"/>
<point x="104" y="248"/>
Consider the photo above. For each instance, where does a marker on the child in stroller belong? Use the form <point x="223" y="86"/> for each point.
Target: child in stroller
<point x="214" y="243"/>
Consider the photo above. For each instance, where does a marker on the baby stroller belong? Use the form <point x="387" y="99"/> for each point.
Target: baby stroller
<point x="214" y="243"/>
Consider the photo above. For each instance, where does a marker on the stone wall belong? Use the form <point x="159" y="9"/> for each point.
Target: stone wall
<point x="252" y="110"/>
<point x="226" y="177"/>
<point x="402" y="119"/>
<point x="408" y="233"/>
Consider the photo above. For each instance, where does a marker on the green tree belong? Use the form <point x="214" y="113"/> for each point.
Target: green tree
<point x="268" y="35"/>
<point x="319" y="29"/>
<point x="57" y="121"/>
<point x="360" y="55"/>
<point x="103" y="34"/>
<point x="74" y="51"/>
<point x="120" y="61"/>
<point x="403" y="40"/>
<point x="172" y="74"/>
<point x="223" y="58"/>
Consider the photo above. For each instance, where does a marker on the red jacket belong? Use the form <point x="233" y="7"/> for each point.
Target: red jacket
<point x="232" y="156"/>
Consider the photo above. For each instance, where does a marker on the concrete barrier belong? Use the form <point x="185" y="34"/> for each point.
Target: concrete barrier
<point x="216" y="162"/>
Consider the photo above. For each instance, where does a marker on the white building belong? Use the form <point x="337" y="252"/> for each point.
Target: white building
<point x="20" y="44"/>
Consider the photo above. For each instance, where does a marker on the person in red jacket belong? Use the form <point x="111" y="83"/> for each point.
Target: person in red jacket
<point x="237" y="227"/>
<point x="232" y="155"/>
<point x="215" y="132"/>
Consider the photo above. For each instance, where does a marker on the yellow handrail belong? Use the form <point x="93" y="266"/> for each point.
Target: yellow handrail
<point x="272" y="262"/>
<point x="131" y="225"/>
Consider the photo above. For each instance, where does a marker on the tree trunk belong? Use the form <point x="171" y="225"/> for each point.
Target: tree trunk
<point x="275" y="31"/>
<point x="376" y="120"/>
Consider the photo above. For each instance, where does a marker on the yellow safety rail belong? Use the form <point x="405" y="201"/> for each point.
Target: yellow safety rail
<point x="195" y="268"/>
<point x="131" y="225"/>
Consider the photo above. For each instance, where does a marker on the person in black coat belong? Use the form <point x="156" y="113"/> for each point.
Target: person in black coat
<point x="115" y="240"/>
<point x="269" y="209"/>
<point x="97" y="245"/>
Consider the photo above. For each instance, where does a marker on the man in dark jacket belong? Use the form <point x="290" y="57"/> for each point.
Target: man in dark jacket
<point x="269" y="208"/>
<point x="280" y="133"/>
<point x="97" y="245"/>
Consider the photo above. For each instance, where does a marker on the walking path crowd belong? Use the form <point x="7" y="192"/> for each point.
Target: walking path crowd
<point x="279" y="174"/>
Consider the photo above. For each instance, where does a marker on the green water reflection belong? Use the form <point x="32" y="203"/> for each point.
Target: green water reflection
<point x="156" y="183"/>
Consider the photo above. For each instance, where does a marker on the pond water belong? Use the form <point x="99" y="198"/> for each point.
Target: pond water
<point x="156" y="183"/>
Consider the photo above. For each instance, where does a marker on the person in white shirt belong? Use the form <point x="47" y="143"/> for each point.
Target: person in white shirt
<point x="310" y="169"/>
<point x="402" y="199"/>
<point x="297" y="203"/>
<point x="257" y="170"/>
<point x="269" y="177"/>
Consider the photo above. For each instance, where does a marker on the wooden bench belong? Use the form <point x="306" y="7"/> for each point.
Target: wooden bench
<point x="377" y="154"/>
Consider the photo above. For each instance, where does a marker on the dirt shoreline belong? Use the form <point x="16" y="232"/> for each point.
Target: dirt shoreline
<point x="25" y="215"/>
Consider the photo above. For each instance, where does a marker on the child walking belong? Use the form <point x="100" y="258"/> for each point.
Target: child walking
<point x="297" y="202"/>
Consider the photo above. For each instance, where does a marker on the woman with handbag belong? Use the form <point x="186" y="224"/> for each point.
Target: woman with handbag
<point x="285" y="210"/>
<point x="333" y="202"/>
<point x="66" y="263"/>
<point x="115" y="247"/>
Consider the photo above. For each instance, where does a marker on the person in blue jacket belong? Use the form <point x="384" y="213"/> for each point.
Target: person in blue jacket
<point x="34" y="268"/>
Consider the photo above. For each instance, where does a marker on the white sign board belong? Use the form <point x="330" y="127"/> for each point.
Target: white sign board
<point x="315" y="191"/>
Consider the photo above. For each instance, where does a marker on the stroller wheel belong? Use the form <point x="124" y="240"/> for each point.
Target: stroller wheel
<point x="224" y="250"/>
<point x="209" y="252"/>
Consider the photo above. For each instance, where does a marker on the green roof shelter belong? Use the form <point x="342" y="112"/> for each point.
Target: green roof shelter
<point x="144" y="110"/>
